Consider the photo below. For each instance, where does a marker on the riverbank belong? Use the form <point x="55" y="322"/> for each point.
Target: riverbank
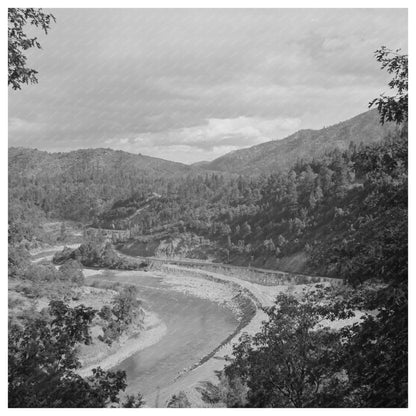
<point x="106" y="357"/>
<point x="245" y="300"/>
<point x="190" y="380"/>
<point x="223" y="292"/>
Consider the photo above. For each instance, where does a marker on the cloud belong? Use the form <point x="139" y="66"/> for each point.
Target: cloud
<point x="214" y="134"/>
<point x="186" y="83"/>
<point x="19" y="125"/>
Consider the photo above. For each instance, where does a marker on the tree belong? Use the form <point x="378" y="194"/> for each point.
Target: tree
<point x="179" y="401"/>
<point x="126" y="306"/>
<point x="43" y="359"/>
<point x="62" y="232"/>
<point x="394" y="108"/>
<point x="131" y="402"/>
<point x="227" y="254"/>
<point x="18" y="260"/>
<point x="105" y="313"/>
<point x="18" y="42"/>
<point x="376" y="350"/>
<point x="369" y="230"/>
<point x="245" y="230"/>
<point x="72" y="271"/>
<point x="281" y="241"/>
<point x="293" y="361"/>
<point x="269" y="245"/>
<point x="231" y="393"/>
<point x="224" y="230"/>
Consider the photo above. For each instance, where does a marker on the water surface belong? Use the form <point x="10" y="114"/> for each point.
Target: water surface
<point x="194" y="328"/>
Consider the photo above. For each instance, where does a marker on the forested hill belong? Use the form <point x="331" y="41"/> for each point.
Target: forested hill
<point x="32" y="162"/>
<point x="278" y="155"/>
<point x="79" y="184"/>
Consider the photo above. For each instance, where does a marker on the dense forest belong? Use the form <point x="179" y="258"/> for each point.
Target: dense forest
<point x="329" y="209"/>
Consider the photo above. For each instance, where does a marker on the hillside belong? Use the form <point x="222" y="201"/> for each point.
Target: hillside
<point x="35" y="163"/>
<point x="78" y="185"/>
<point x="304" y="220"/>
<point x="278" y="155"/>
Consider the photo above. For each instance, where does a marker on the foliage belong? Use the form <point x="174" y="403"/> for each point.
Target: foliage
<point x="43" y="360"/>
<point x="95" y="254"/>
<point x="126" y="305"/>
<point x="105" y="313"/>
<point x="72" y="271"/>
<point x="368" y="238"/>
<point x="131" y="401"/>
<point x="394" y="108"/>
<point x="17" y="261"/>
<point x="179" y="401"/>
<point x="292" y="362"/>
<point x="229" y="392"/>
<point x="38" y="280"/>
<point x="60" y="257"/>
<point x="296" y="360"/>
<point x="19" y="42"/>
<point x="24" y="224"/>
<point x="376" y="351"/>
<point x="126" y="310"/>
<point x="80" y="185"/>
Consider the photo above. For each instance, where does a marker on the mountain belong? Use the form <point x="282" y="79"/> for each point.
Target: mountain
<point x="79" y="184"/>
<point x="279" y="155"/>
<point x="201" y="164"/>
<point x="34" y="163"/>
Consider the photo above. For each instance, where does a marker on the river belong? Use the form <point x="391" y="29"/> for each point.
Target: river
<point x="195" y="327"/>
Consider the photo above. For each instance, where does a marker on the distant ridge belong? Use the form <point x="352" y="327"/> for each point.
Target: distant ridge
<point x="33" y="162"/>
<point x="266" y="158"/>
<point x="279" y="155"/>
<point x="201" y="164"/>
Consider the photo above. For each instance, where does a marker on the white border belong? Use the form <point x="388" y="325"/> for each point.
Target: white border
<point x="206" y="4"/>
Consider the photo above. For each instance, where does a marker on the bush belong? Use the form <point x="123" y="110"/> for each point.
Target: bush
<point x="71" y="271"/>
<point x="179" y="401"/>
<point x="41" y="273"/>
<point x="60" y="257"/>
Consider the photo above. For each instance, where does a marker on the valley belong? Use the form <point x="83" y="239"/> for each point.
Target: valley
<point x="208" y="208"/>
<point x="174" y="283"/>
<point x="195" y="312"/>
<point x="198" y="314"/>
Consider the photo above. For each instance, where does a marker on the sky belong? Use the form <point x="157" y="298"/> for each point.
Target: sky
<point x="193" y="84"/>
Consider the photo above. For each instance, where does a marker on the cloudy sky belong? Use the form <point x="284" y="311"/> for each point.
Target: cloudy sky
<point x="191" y="85"/>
